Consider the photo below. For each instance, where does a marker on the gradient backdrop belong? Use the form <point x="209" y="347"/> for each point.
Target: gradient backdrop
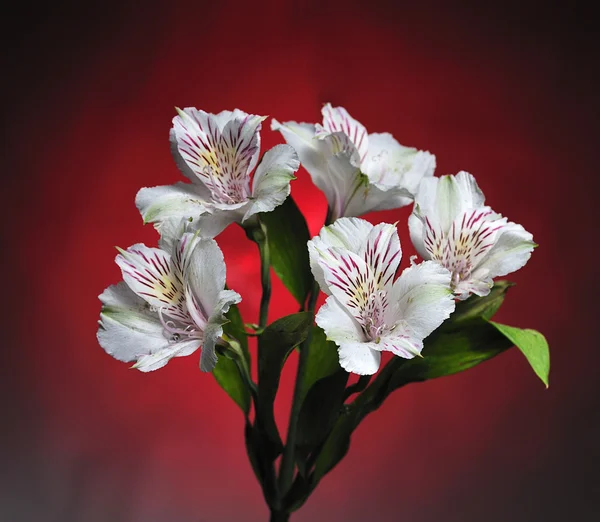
<point x="510" y="95"/>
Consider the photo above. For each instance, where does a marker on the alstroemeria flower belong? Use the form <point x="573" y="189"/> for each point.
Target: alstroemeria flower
<point x="367" y="312"/>
<point x="358" y="172"/>
<point x="217" y="153"/>
<point x="169" y="304"/>
<point x="451" y="225"/>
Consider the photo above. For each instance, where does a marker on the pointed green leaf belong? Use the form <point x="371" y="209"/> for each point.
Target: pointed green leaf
<point x="274" y="345"/>
<point x="336" y="445"/>
<point x="321" y="408"/>
<point x="323" y="360"/>
<point x="287" y="235"/>
<point x="226" y="371"/>
<point x="463" y="341"/>
<point x="533" y="345"/>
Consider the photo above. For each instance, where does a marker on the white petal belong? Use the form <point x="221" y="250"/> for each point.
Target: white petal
<point x="171" y="231"/>
<point x="416" y="228"/>
<point x="348" y="233"/>
<point x="382" y="253"/>
<point x="179" y="201"/>
<point x="348" y="184"/>
<point x="150" y="273"/>
<point x="214" y="329"/>
<point x="181" y="252"/>
<point x="349" y="278"/>
<point x="405" y="346"/>
<point x="205" y="276"/>
<point x="443" y="199"/>
<point x="312" y="153"/>
<point x="370" y="198"/>
<point x="208" y="357"/>
<point x="243" y="135"/>
<point x="220" y="157"/>
<point x="128" y="328"/>
<point x="337" y="120"/>
<point x="478" y="284"/>
<point x="129" y="331"/>
<point x="271" y="184"/>
<point x="340" y="144"/>
<point x="359" y="358"/>
<point x="511" y="251"/>
<point x="420" y="300"/>
<point x="390" y="164"/>
<point x="201" y="189"/>
<point x="154" y="361"/>
<point x="211" y="224"/>
<point x="333" y="173"/>
<point x="339" y="326"/>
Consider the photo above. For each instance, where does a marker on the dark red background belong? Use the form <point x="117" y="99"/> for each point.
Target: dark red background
<point x="509" y="94"/>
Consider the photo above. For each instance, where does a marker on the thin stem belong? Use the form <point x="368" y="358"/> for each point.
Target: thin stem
<point x="265" y="277"/>
<point x="358" y="386"/>
<point x="257" y="232"/>
<point x="286" y="471"/>
<point x="279" y="516"/>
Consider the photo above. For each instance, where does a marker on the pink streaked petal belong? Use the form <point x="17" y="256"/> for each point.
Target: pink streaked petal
<point x="401" y="345"/>
<point x="221" y="156"/>
<point x="349" y="279"/>
<point x="382" y="253"/>
<point x="337" y="120"/>
<point x="471" y="236"/>
<point x="151" y="275"/>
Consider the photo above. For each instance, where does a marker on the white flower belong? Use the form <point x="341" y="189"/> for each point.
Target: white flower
<point x="366" y="311"/>
<point x="168" y="305"/>
<point x="217" y="153"/>
<point x="451" y="226"/>
<point x="358" y="172"/>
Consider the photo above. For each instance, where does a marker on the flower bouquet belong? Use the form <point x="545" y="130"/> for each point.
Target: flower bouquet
<point x="435" y="317"/>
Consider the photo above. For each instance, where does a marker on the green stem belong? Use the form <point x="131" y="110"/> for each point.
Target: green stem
<point x="257" y="232"/>
<point x="279" y="516"/>
<point x="265" y="277"/>
<point x="358" y="386"/>
<point x="286" y="471"/>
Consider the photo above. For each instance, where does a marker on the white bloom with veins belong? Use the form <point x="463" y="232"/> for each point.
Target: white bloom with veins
<point x="367" y="312"/>
<point x="357" y="171"/>
<point x="217" y="153"/>
<point x="169" y="304"/>
<point x="451" y="225"/>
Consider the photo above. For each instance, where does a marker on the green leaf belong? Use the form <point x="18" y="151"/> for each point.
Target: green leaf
<point x="447" y="353"/>
<point x="321" y="408"/>
<point x="287" y="235"/>
<point x="323" y="392"/>
<point x="323" y="360"/>
<point x="532" y="344"/>
<point x="226" y="371"/>
<point x="466" y="339"/>
<point x="336" y="445"/>
<point x="274" y="345"/>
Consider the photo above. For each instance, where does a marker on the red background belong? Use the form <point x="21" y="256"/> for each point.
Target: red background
<point x="510" y="95"/>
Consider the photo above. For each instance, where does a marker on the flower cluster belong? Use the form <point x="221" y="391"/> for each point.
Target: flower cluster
<point x="173" y="299"/>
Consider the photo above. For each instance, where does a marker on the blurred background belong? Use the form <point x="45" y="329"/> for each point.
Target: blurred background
<point x="509" y="93"/>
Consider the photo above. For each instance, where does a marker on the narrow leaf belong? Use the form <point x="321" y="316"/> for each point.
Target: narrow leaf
<point x="274" y="345"/>
<point x="287" y="235"/>
<point x="533" y="345"/>
<point x="321" y="409"/>
<point x="323" y="360"/>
